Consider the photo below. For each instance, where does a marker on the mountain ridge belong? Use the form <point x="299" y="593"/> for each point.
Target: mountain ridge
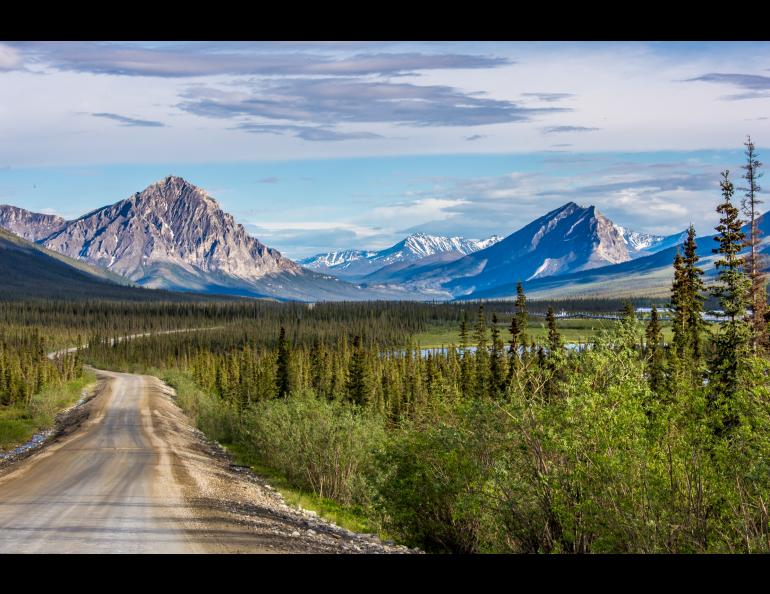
<point x="174" y="236"/>
<point x="359" y="264"/>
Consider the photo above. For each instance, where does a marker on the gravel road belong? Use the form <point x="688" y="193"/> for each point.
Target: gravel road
<point x="127" y="473"/>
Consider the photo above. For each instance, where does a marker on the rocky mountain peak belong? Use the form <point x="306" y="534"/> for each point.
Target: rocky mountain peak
<point x="171" y="223"/>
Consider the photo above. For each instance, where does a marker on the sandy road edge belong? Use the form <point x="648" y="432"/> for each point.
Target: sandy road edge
<point x="240" y="504"/>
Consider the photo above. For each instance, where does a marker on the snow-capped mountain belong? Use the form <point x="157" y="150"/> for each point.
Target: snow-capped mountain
<point x="322" y="262"/>
<point x="567" y="239"/>
<point x="357" y="264"/>
<point x="644" y="244"/>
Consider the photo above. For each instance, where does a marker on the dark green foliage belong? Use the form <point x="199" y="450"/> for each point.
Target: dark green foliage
<point x="628" y="311"/>
<point x="359" y="382"/>
<point x="554" y="338"/>
<point x="755" y="261"/>
<point x="693" y="297"/>
<point x="497" y="372"/>
<point x="687" y="299"/>
<point x="522" y="317"/>
<point x="464" y="330"/>
<point x="25" y="369"/>
<point x="732" y="343"/>
<point x="283" y="363"/>
<point x="655" y="352"/>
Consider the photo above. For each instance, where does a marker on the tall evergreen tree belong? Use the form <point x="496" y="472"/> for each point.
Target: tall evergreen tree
<point x="464" y="330"/>
<point x="514" y="360"/>
<point x="554" y="338"/>
<point x="693" y="296"/>
<point x="628" y="312"/>
<point x="482" y="355"/>
<point x="496" y="372"/>
<point x="283" y="377"/>
<point x="515" y="340"/>
<point x="480" y="331"/>
<point x="654" y="336"/>
<point x="754" y="260"/>
<point x="678" y="307"/>
<point x="522" y="318"/>
<point x="358" y="374"/>
<point x="733" y="291"/>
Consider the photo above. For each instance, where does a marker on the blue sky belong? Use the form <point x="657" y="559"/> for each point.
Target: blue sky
<point x="317" y="146"/>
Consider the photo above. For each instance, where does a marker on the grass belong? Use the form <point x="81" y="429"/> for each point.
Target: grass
<point x="19" y="422"/>
<point x="344" y="516"/>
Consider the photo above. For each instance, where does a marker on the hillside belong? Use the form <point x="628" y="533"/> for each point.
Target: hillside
<point x="29" y="271"/>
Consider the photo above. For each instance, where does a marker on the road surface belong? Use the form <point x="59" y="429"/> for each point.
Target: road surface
<point x="133" y="476"/>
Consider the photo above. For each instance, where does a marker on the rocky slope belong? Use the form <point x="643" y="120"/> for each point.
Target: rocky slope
<point x="170" y="222"/>
<point x="30" y="271"/>
<point x="174" y="236"/>
<point x="32" y="226"/>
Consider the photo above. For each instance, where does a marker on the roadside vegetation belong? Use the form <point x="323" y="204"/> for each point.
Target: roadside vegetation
<point x="21" y="420"/>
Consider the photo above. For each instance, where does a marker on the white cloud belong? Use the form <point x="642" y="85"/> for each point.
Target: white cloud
<point x="360" y="231"/>
<point x="419" y="210"/>
<point x="9" y="58"/>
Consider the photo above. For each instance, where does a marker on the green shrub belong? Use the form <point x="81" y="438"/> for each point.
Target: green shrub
<point x="325" y="447"/>
<point x="433" y="478"/>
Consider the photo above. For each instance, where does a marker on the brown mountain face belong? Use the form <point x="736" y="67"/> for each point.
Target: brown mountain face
<point x="171" y="225"/>
<point x="31" y="226"/>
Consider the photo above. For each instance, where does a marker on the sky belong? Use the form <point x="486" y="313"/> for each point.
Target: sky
<point x="324" y="146"/>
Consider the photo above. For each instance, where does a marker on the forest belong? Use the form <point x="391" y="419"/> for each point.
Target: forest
<point x="519" y="444"/>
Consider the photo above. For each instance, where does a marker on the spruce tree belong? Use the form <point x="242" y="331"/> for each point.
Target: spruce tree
<point x="734" y="292"/>
<point x="678" y="307"/>
<point x="282" y="377"/>
<point x="464" y="330"/>
<point x="654" y="336"/>
<point x="495" y="361"/>
<point x="522" y="318"/>
<point x="515" y="331"/>
<point x="514" y="360"/>
<point x="628" y="312"/>
<point x="480" y="331"/>
<point x="694" y="289"/>
<point x="482" y="356"/>
<point x="754" y="261"/>
<point x="553" y="363"/>
<point x="358" y="374"/>
<point x="554" y="338"/>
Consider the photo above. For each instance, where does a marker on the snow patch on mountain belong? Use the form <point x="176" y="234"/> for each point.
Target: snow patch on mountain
<point x="413" y="248"/>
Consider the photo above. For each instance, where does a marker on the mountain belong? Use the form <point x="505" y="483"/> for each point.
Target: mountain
<point x="568" y="239"/>
<point x="358" y="264"/>
<point x="174" y="236"/>
<point x="644" y="244"/>
<point x="31" y="226"/>
<point x="29" y="271"/>
<point x="327" y="260"/>
<point x="648" y="276"/>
